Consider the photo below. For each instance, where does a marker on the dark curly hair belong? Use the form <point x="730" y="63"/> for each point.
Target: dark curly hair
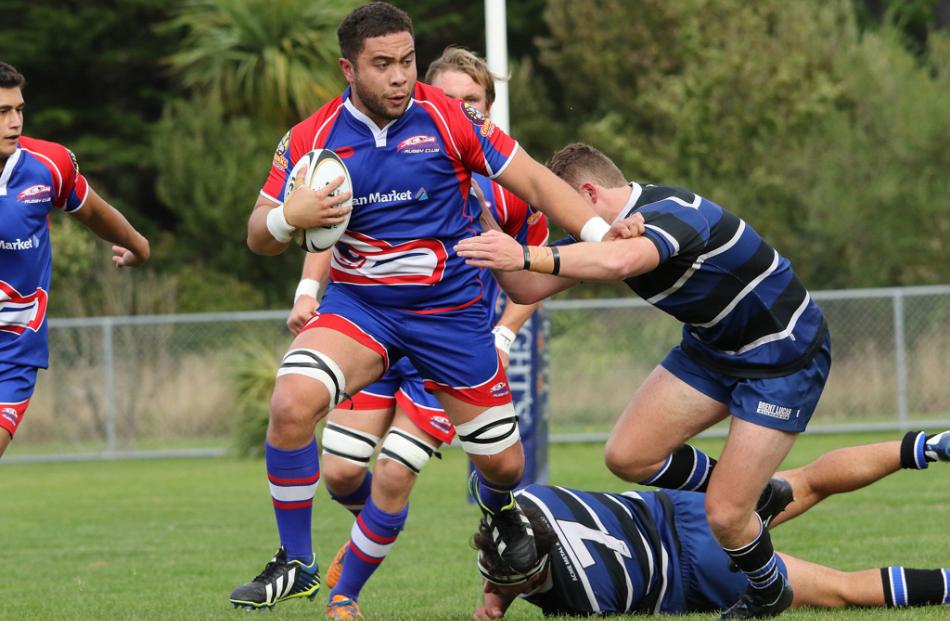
<point x="544" y="540"/>
<point x="376" y="19"/>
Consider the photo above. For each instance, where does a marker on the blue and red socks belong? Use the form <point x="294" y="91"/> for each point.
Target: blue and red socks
<point x="372" y="537"/>
<point x="686" y="468"/>
<point x="915" y="587"/>
<point x="293" y="477"/>
<point x="355" y="502"/>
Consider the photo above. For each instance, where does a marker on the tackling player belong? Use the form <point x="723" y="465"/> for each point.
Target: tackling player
<point x="654" y="553"/>
<point x="755" y="346"/>
<point x="398" y="289"/>
<point x="38" y="177"/>
<point x="398" y="403"/>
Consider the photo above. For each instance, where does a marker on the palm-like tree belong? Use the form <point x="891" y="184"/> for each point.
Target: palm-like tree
<point x="272" y="59"/>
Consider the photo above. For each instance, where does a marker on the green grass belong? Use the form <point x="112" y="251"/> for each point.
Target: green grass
<point x="169" y="539"/>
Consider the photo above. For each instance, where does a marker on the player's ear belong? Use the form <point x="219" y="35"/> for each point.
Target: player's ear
<point x="348" y="70"/>
<point x="589" y="191"/>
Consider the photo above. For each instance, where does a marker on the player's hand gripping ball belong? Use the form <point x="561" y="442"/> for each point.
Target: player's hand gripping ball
<point x="322" y="166"/>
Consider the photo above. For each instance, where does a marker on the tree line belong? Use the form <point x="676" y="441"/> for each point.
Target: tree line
<point x="823" y="123"/>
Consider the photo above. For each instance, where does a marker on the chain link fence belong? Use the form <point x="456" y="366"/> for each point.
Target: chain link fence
<point x="164" y="385"/>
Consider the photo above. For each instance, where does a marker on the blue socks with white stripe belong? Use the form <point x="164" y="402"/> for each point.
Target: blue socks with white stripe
<point x="686" y="468"/>
<point x="915" y="587"/>
<point x="373" y="534"/>
<point x="293" y="477"/>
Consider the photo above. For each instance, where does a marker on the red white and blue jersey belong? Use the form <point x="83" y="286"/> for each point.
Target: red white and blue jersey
<point x="516" y="218"/>
<point x="411" y="183"/>
<point x="40" y="176"/>
<point x="746" y="313"/>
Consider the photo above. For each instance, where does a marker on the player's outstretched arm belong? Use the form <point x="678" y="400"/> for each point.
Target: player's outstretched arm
<point x="550" y="194"/>
<point x="131" y="248"/>
<point x="838" y="472"/>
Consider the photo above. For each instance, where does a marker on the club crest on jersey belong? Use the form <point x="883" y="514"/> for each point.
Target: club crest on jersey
<point x="19" y="313"/>
<point x="39" y="193"/>
<point x="419" y="144"/>
<point x="280" y="154"/>
<point x="478" y="119"/>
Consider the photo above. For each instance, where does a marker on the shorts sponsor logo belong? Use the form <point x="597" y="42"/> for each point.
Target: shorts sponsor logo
<point x="421" y="143"/>
<point x="373" y="198"/>
<point x="39" y="193"/>
<point x="500" y="389"/>
<point x="441" y="423"/>
<point x="20" y="244"/>
<point x="11" y="415"/>
<point x="775" y="411"/>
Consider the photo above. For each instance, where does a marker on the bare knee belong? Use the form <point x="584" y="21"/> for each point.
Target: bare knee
<point x="292" y="418"/>
<point x="505" y="468"/>
<point x="627" y="465"/>
<point x="729" y="519"/>
<point x="341" y="477"/>
<point x="392" y="482"/>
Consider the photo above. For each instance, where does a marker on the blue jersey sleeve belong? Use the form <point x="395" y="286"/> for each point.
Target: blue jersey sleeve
<point x="675" y="229"/>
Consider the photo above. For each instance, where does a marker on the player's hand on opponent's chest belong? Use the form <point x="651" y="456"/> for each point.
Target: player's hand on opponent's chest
<point x="494" y="250"/>
<point x="306" y="208"/>
<point x="626" y="228"/>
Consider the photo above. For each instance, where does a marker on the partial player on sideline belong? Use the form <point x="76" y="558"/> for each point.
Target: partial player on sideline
<point x="654" y="553"/>
<point x="755" y="347"/>
<point x="37" y="178"/>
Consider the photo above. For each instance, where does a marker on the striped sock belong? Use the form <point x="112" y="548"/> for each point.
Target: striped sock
<point x="493" y="497"/>
<point x="293" y="477"/>
<point x="685" y="468"/>
<point x="915" y="587"/>
<point x="912" y="450"/>
<point x="759" y="562"/>
<point x="355" y="502"/>
<point x="371" y="538"/>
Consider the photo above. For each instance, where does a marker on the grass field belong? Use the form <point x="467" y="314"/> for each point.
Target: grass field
<point x="170" y="539"/>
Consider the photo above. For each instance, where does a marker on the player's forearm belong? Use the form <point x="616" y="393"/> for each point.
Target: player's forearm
<point x="316" y="266"/>
<point x="109" y="224"/>
<point x="529" y="287"/>
<point x="551" y="195"/>
<point x="259" y="239"/>
<point x="604" y="261"/>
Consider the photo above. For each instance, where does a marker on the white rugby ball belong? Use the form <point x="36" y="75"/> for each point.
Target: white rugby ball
<point x="322" y="166"/>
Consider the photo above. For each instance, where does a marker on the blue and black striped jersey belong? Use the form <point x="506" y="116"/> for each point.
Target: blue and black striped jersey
<point x="614" y="553"/>
<point x="745" y="312"/>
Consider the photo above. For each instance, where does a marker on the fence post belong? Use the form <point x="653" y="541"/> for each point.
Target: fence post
<point x="108" y="393"/>
<point x="900" y="354"/>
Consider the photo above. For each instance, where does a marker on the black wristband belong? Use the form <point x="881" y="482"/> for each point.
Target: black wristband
<point x="527" y="258"/>
<point x="556" y="255"/>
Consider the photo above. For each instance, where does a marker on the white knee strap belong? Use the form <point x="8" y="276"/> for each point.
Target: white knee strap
<point x="352" y="445"/>
<point x="409" y="451"/>
<point x="490" y="432"/>
<point x="318" y="366"/>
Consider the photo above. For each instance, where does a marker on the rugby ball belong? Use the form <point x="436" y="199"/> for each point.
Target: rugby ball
<point x="322" y="166"/>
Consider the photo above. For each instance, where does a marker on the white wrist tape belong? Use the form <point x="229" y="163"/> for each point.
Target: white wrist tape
<point x="504" y="338"/>
<point x="594" y="229"/>
<point x="278" y="226"/>
<point x="307" y="286"/>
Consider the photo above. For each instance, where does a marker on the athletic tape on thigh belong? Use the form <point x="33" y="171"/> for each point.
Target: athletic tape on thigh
<point x="350" y="444"/>
<point x="318" y="366"/>
<point x="409" y="451"/>
<point x="490" y="432"/>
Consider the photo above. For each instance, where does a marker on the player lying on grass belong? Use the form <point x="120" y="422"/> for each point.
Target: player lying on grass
<point x="653" y="552"/>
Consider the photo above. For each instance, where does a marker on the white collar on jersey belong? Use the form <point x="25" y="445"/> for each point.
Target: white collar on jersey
<point x="635" y="192"/>
<point x="8" y="170"/>
<point x="379" y="133"/>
